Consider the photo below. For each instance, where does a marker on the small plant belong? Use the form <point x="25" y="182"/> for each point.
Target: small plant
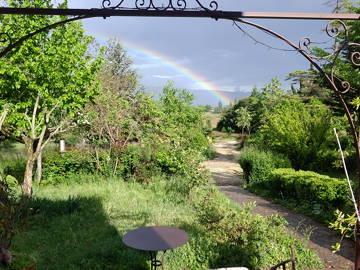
<point x="345" y="224"/>
<point x="12" y="217"/>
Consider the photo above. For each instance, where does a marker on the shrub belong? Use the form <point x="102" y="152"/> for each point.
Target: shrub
<point x="258" y="164"/>
<point x="314" y="188"/>
<point x="302" y="132"/>
<point x="13" y="216"/>
<point x="15" y="167"/>
<point x="235" y="236"/>
<point x="57" y="167"/>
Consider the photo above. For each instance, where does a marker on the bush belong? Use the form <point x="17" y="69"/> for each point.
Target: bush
<point x="310" y="187"/>
<point x="235" y="236"/>
<point x="59" y="167"/>
<point x="13" y="216"/>
<point x="15" y="167"/>
<point x="258" y="164"/>
<point x="303" y="133"/>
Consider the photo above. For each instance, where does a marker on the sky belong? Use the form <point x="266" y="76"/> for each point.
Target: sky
<point x="207" y="57"/>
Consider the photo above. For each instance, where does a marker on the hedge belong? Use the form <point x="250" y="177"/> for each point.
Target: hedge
<point x="258" y="164"/>
<point x="309" y="186"/>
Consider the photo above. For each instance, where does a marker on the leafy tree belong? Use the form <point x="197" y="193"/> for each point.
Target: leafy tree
<point x="46" y="81"/>
<point x="310" y="85"/>
<point x="115" y="117"/>
<point x="259" y="104"/>
<point x="243" y="119"/>
<point x="208" y="108"/>
<point x="177" y="107"/>
<point x="117" y="72"/>
<point x="300" y="131"/>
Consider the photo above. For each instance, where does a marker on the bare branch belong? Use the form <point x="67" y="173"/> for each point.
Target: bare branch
<point x="48" y="115"/>
<point x="33" y="120"/>
<point x="3" y="116"/>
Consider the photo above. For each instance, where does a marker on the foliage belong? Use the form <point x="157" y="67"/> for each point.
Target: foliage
<point x="13" y="212"/>
<point x="302" y="132"/>
<point x="327" y="193"/>
<point x="21" y="261"/>
<point x="259" y="105"/>
<point x="345" y="224"/>
<point x="258" y="164"/>
<point x="14" y="167"/>
<point x="243" y="119"/>
<point x="84" y="223"/>
<point x="117" y="114"/>
<point x="60" y="166"/>
<point x="54" y="69"/>
<point x="310" y="86"/>
<point x="242" y="238"/>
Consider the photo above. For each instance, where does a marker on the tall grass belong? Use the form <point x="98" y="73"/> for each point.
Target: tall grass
<point x="80" y="226"/>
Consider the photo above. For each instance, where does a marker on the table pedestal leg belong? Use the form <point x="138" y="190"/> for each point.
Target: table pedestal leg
<point x="155" y="262"/>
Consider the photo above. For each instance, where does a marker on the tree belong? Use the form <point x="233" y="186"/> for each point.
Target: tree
<point x="243" y="119"/>
<point x="120" y="114"/>
<point x="300" y="131"/>
<point x="259" y="104"/>
<point x="47" y="81"/>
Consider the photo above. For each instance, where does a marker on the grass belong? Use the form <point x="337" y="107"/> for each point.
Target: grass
<point x="80" y="226"/>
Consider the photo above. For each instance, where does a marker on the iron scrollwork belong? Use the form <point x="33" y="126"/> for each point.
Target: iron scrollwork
<point x="337" y="30"/>
<point x="176" y="5"/>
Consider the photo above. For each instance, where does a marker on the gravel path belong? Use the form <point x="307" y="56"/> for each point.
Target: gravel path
<point x="227" y="175"/>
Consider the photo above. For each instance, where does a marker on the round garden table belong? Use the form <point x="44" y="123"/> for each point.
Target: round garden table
<point x="155" y="239"/>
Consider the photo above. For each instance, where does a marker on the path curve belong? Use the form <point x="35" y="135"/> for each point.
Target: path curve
<point x="227" y="175"/>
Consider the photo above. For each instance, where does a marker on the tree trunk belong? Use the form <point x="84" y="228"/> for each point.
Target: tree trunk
<point x="26" y="186"/>
<point x="39" y="167"/>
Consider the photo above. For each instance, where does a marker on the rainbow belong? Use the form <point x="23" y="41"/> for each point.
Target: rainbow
<point x="178" y="68"/>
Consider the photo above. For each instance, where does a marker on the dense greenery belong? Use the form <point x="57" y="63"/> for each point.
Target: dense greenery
<point x="83" y="224"/>
<point x="257" y="106"/>
<point x="309" y="186"/>
<point x="257" y="165"/>
<point x="55" y="71"/>
<point x="302" y="132"/>
<point x="136" y="161"/>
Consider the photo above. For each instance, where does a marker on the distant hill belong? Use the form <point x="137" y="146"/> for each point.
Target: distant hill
<point x="203" y="97"/>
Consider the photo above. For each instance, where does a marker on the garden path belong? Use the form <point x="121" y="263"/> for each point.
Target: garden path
<point x="227" y="174"/>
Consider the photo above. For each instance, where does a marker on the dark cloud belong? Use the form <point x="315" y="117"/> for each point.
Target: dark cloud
<point x="215" y="50"/>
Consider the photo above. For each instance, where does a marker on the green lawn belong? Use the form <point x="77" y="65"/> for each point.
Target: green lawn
<point x="80" y="226"/>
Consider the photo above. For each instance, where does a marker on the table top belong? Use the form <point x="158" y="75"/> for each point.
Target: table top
<point x="155" y="238"/>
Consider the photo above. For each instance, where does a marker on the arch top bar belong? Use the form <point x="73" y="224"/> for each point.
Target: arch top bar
<point x="217" y="14"/>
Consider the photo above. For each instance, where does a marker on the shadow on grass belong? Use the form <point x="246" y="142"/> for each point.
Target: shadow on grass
<point x="75" y="234"/>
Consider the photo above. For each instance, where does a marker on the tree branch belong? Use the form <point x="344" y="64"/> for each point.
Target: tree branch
<point x="3" y="116"/>
<point x="46" y="28"/>
<point x="33" y="119"/>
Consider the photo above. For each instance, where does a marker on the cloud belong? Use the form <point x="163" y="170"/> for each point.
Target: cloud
<point x="168" y="77"/>
<point x="145" y="66"/>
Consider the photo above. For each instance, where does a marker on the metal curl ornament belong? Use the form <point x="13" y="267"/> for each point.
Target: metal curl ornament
<point x="107" y="4"/>
<point x="141" y="4"/>
<point x="175" y="5"/>
<point x="304" y="42"/>
<point x="333" y="29"/>
<point x="213" y="5"/>
<point x="355" y="56"/>
<point x="345" y="87"/>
